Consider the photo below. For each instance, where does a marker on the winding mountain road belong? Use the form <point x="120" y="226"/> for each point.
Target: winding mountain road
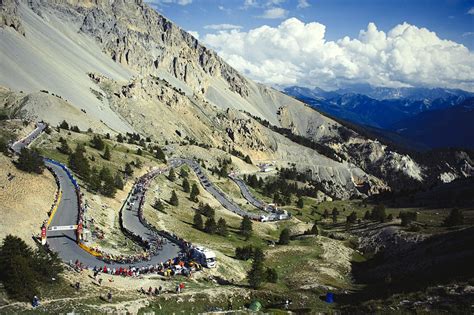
<point x="64" y="242"/>
<point x="223" y="199"/>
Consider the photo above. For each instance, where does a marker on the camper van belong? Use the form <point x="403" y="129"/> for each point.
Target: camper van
<point x="204" y="256"/>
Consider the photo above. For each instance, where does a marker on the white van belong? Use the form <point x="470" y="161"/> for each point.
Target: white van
<point x="204" y="256"/>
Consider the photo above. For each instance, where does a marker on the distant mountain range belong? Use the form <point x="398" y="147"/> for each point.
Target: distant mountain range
<point x="413" y="113"/>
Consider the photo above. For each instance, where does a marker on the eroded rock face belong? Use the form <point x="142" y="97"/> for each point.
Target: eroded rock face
<point x="137" y="36"/>
<point x="9" y="16"/>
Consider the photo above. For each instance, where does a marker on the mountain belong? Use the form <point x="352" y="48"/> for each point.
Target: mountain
<point x="448" y="127"/>
<point x="119" y="66"/>
<point x="407" y="93"/>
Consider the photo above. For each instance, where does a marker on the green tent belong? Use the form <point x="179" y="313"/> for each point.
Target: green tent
<point x="255" y="306"/>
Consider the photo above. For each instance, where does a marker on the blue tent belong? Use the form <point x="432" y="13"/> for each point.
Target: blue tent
<point x="330" y="297"/>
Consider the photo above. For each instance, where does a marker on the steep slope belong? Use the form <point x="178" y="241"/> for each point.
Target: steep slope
<point x="124" y="64"/>
<point x="51" y="55"/>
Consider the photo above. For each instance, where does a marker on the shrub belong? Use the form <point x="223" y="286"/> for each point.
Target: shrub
<point x="284" y="237"/>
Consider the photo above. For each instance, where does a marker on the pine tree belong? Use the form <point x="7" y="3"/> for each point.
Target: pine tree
<point x="194" y="193"/>
<point x="314" y="229"/>
<point x="300" y="203"/>
<point x="64" y="147"/>
<point x="107" y="154"/>
<point x="158" y="205"/>
<point x="118" y="181"/>
<point x="284" y="237"/>
<point x="128" y="169"/>
<point x="30" y="161"/>
<point x="174" y="199"/>
<point x="160" y="155"/>
<point x="108" y="187"/>
<point x="139" y="151"/>
<point x="97" y="143"/>
<point x="183" y="173"/>
<point x="248" y="160"/>
<point x="64" y="125"/>
<point x="246" y="227"/>
<point x="120" y="138"/>
<point x="172" y="175"/>
<point x="256" y="275"/>
<point x="210" y="225"/>
<point x="23" y="269"/>
<point x="95" y="182"/>
<point x="198" y="223"/>
<point x="186" y="188"/>
<point x="378" y="213"/>
<point x="351" y="218"/>
<point x="326" y="214"/>
<point x="222" y="227"/>
<point x="79" y="163"/>
<point x="271" y="275"/>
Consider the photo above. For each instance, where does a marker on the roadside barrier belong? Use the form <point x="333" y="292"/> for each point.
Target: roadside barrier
<point x="91" y="251"/>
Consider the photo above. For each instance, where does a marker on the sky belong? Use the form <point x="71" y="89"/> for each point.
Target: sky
<point x="334" y="43"/>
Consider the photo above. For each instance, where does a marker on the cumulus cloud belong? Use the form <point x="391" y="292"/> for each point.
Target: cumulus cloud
<point x="274" y="13"/>
<point x="221" y="27"/>
<point x="303" y="4"/>
<point x="298" y="53"/>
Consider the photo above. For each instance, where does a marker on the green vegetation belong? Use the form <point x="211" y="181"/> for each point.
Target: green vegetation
<point x="197" y="221"/>
<point x="24" y="270"/>
<point x="246" y="227"/>
<point x="185" y="185"/>
<point x="174" y="199"/>
<point x="284" y="237"/>
<point x="194" y="193"/>
<point x="30" y="161"/>
<point x="256" y="275"/>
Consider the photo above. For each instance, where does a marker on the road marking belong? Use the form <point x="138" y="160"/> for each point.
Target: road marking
<point x="55" y="208"/>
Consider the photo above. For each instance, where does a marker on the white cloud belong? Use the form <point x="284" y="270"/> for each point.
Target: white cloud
<point x="250" y="4"/>
<point x="194" y="33"/>
<point x="221" y="27"/>
<point x="298" y="53"/>
<point x="274" y="13"/>
<point x="303" y="4"/>
<point x="468" y="34"/>
<point x="471" y="11"/>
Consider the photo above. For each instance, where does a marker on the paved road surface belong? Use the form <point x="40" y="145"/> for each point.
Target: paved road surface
<point x="223" y="199"/>
<point x="247" y="194"/>
<point x="64" y="242"/>
<point x="20" y="144"/>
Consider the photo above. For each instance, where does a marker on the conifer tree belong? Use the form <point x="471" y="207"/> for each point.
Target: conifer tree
<point x="174" y="201"/>
<point x="197" y="220"/>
